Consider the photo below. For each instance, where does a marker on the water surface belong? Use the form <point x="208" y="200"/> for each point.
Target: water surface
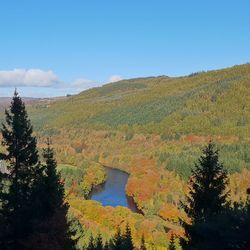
<point x="112" y="192"/>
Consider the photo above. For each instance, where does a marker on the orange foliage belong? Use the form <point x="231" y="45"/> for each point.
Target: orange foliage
<point x="172" y="213"/>
<point x="144" y="181"/>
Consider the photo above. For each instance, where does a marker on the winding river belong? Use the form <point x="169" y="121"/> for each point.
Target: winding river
<point x="113" y="191"/>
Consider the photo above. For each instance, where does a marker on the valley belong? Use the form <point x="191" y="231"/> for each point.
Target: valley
<point x="153" y="129"/>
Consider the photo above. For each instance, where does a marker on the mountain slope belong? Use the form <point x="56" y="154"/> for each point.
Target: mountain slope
<point x="214" y="102"/>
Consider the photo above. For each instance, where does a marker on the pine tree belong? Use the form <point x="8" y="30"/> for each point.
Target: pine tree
<point x="127" y="239"/>
<point x="171" y="245"/>
<point x="54" y="188"/>
<point x="99" y="245"/>
<point x="32" y="212"/>
<point x="143" y="246"/>
<point x="106" y="246"/>
<point x="207" y="200"/>
<point x="21" y="158"/>
<point x="52" y="217"/>
<point x="91" y="245"/>
<point x="207" y="187"/>
<point x="118" y="240"/>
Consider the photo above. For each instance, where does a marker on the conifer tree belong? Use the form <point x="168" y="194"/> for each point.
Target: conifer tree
<point x="32" y="210"/>
<point x="21" y="158"/>
<point x="207" y="199"/>
<point x="118" y="240"/>
<point x="171" y="245"/>
<point x="54" y="188"/>
<point x="91" y="245"/>
<point x="143" y="246"/>
<point x="99" y="245"/>
<point x="207" y="187"/>
<point x="127" y="239"/>
<point x="52" y="217"/>
<point x="106" y="246"/>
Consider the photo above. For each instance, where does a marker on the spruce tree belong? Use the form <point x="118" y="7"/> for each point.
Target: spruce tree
<point x="21" y="158"/>
<point x="127" y="239"/>
<point x="207" y="200"/>
<point x="51" y="226"/>
<point x="32" y="211"/>
<point x="91" y="245"/>
<point x="118" y="240"/>
<point x="143" y="246"/>
<point x="99" y="245"/>
<point x="207" y="195"/>
<point x="53" y="185"/>
<point x="171" y="245"/>
<point x="106" y="246"/>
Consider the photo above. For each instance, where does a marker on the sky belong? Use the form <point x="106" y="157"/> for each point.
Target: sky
<point x="59" y="47"/>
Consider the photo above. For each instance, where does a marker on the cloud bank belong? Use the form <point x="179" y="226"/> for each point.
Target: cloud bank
<point x="38" y="82"/>
<point x="28" y="77"/>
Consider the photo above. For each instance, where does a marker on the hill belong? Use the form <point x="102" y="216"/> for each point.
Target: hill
<point x="214" y="102"/>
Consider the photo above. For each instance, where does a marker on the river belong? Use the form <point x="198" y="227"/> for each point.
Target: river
<point x="113" y="191"/>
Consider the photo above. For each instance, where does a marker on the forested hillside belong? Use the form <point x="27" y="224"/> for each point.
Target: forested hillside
<point x="159" y="117"/>
<point x="214" y="102"/>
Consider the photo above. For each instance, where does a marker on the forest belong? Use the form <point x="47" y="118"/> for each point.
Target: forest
<point x="184" y="141"/>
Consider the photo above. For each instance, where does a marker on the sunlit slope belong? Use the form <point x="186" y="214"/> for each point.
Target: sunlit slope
<point x="214" y="102"/>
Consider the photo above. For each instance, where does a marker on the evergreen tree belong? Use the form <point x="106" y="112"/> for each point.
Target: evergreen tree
<point x="91" y="245"/>
<point x="21" y="158"/>
<point x="118" y="240"/>
<point x="127" y="239"/>
<point x="171" y="245"/>
<point x="51" y="223"/>
<point x="99" y="245"/>
<point x="227" y="231"/>
<point x="206" y="200"/>
<point x="106" y="246"/>
<point x="207" y="187"/>
<point x="143" y="246"/>
<point x="53" y="185"/>
<point x="32" y="210"/>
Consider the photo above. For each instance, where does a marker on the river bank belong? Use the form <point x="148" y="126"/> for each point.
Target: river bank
<point x="113" y="191"/>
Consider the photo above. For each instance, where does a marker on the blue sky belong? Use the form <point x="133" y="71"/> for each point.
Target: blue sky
<point x="52" y="47"/>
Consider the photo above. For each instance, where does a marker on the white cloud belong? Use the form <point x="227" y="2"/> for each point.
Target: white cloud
<point x="37" y="82"/>
<point x="115" y="78"/>
<point x="28" y="77"/>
